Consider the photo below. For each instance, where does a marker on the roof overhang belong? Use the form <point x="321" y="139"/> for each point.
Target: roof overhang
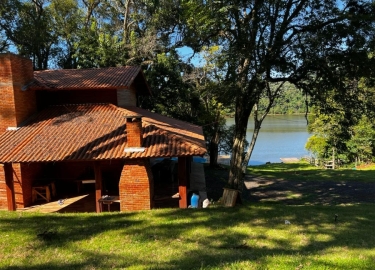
<point x="89" y="79"/>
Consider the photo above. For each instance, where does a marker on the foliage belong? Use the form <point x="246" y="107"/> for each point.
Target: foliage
<point x="226" y="142"/>
<point x="68" y="19"/>
<point x="98" y="49"/>
<point x="3" y="43"/>
<point x="29" y="25"/>
<point x="329" y="131"/>
<point x="291" y="100"/>
<point x="206" y="80"/>
<point x="361" y="144"/>
<point x="172" y="96"/>
<point x="344" y="125"/>
<point x="317" y="146"/>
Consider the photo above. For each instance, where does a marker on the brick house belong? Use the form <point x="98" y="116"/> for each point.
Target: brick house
<point x="69" y="125"/>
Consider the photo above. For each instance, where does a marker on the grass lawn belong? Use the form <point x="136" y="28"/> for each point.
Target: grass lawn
<point x="304" y="172"/>
<point x="248" y="236"/>
<point x="244" y="237"/>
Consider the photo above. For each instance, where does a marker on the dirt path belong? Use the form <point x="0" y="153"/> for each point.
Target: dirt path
<point x="260" y="189"/>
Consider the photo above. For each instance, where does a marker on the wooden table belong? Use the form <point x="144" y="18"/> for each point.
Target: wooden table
<point x="108" y="200"/>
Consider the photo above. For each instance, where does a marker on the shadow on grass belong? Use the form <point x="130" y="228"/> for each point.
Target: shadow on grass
<point x="304" y="184"/>
<point x="192" y="238"/>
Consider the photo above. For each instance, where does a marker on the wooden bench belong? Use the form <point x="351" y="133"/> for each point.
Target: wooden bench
<point x="328" y="165"/>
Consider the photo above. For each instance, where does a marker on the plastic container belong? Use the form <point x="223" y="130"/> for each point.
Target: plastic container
<point x="194" y="200"/>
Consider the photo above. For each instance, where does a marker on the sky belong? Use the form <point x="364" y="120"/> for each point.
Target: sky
<point x="186" y="52"/>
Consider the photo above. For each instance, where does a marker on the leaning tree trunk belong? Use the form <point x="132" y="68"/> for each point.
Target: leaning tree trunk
<point x="242" y="114"/>
<point x="126" y="19"/>
<point x="254" y="138"/>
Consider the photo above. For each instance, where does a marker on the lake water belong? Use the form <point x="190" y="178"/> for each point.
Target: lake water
<point x="281" y="136"/>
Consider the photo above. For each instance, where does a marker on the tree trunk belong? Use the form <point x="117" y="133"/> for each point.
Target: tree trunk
<point x="214" y="143"/>
<point x="242" y="114"/>
<point x="126" y="18"/>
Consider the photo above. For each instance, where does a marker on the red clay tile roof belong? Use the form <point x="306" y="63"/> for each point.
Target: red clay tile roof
<point x="103" y="78"/>
<point x="96" y="132"/>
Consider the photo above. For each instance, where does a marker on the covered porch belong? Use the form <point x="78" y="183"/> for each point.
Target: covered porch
<point x="68" y="199"/>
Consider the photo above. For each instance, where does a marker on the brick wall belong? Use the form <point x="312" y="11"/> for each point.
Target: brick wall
<point x="16" y="105"/>
<point x="126" y="97"/>
<point x="136" y="185"/>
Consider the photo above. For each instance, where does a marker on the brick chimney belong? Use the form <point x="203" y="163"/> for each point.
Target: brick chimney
<point x="17" y="102"/>
<point x="134" y="131"/>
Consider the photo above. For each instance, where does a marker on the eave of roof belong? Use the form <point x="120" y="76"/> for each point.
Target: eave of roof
<point x="96" y="132"/>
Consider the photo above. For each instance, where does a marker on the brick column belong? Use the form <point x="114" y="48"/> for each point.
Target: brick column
<point x="7" y="201"/>
<point x="136" y="185"/>
<point x="134" y="131"/>
<point x="17" y="102"/>
<point x="15" y="191"/>
<point x="17" y="178"/>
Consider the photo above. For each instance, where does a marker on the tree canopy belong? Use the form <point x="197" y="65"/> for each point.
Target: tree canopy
<point x="253" y="52"/>
<point x="316" y="45"/>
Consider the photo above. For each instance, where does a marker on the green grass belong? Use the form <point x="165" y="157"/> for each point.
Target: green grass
<point x="244" y="237"/>
<point x="304" y="172"/>
<point x="249" y="236"/>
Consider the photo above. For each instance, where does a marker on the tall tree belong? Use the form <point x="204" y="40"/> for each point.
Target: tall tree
<point x="206" y="80"/>
<point x="29" y="26"/>
<point x="68" y="20"/>
<point x="313" y="44"/>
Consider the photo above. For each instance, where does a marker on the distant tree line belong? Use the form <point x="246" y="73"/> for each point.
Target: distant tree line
<point x="291" y="101"/>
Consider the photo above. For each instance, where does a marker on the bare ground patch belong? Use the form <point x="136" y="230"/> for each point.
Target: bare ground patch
<point x="262" y="189"/>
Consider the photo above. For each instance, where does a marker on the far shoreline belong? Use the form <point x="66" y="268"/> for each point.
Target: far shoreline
<point x="225" y="160"/>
